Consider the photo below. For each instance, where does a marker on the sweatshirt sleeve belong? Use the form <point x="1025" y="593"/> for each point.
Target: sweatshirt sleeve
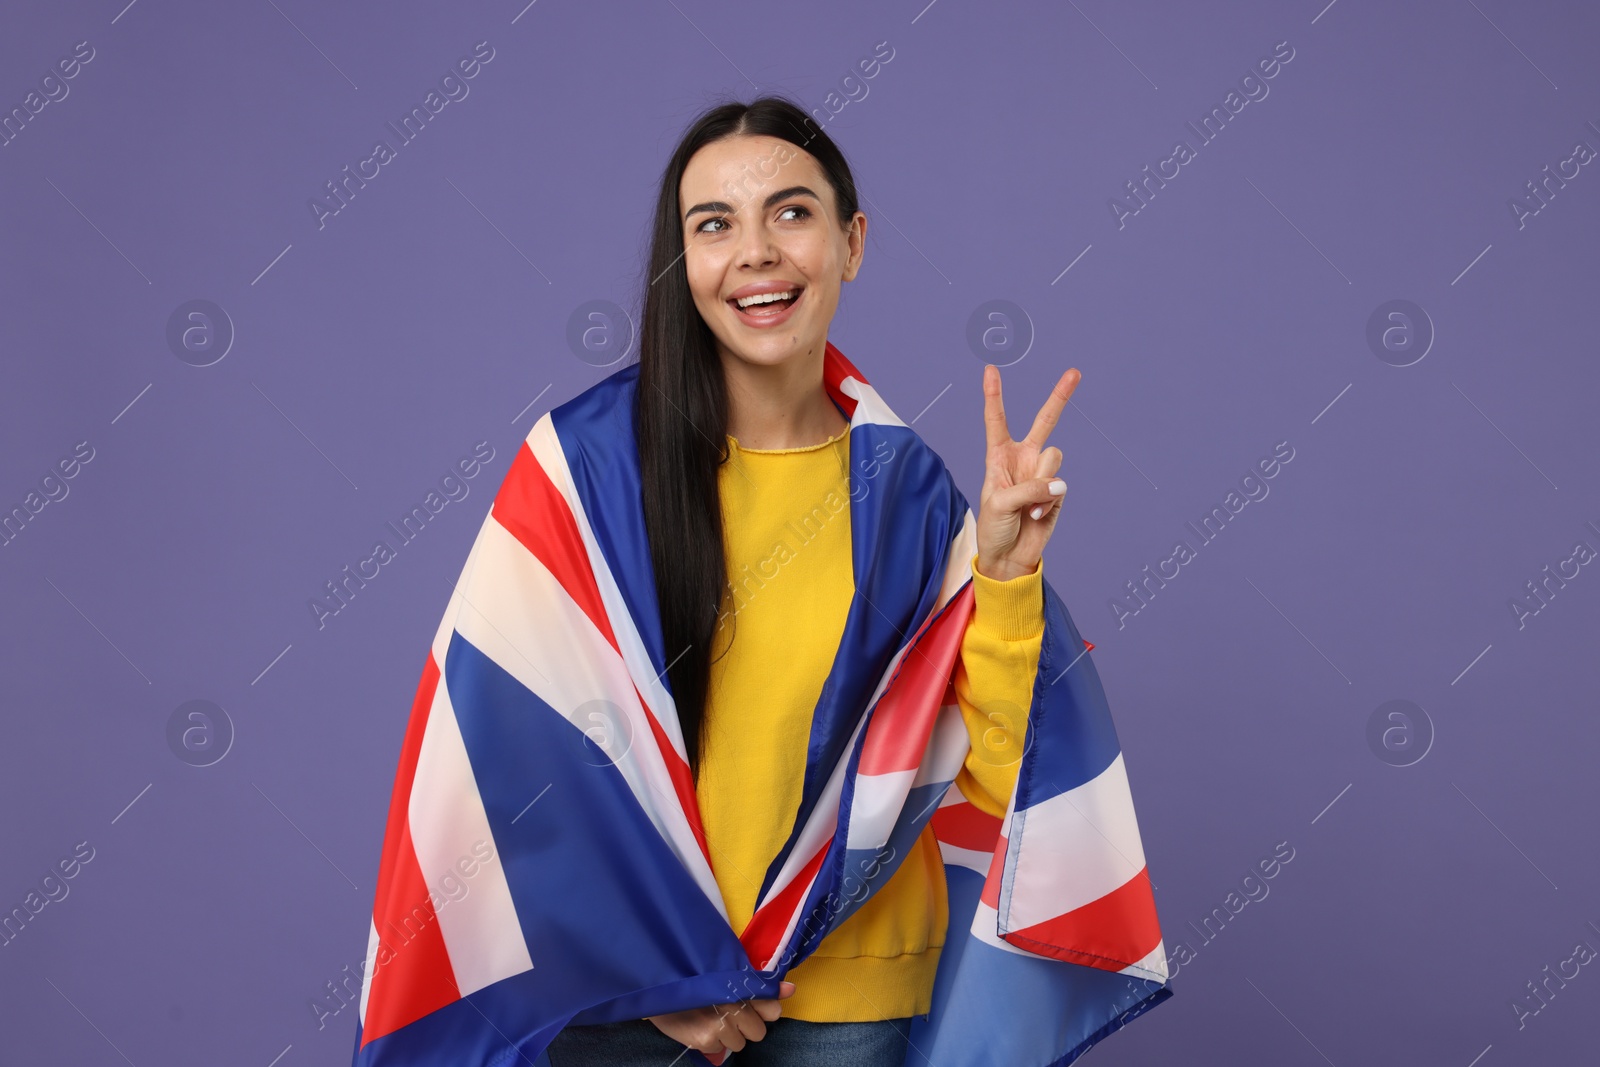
<point x="994" y="682"/>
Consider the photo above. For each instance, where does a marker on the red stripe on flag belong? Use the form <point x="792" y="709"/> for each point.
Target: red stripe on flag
<point x="997" y="867"/>
<point x="412" y="975"/>
<point x="903" y="720"/>
<point x="767" y="926"/>
<point x="835" y="369"/>
<point x="1110" y="933"/>
<point x="533" y="511"/>
<point x="965" y="825"/>
<point x="682" y="780"/>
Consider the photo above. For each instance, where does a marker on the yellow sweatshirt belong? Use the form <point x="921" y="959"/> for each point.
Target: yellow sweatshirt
<point x="786" y="522"/>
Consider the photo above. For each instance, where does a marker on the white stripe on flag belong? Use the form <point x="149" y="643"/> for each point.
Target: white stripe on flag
<point x="947" y="750"/>
<point x="876" y="807"/>
<point x="1089" y="846"/>
<point x="970" y="858"/>
<point x="880" y="798"/>
<point x="447" y="625"/>
<point x="870" y="407"/>
<point x="959" y="569"/>
<point x="1155" y="964"/>
<point x="369" y="967"/>
<point x="447" y="821"/>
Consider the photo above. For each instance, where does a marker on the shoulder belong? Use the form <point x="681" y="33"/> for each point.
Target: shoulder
<point x="598" y="422"/>
<point x="608" y="398"/>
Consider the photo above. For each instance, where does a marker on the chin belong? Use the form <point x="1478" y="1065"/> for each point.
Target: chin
<point x="774" y="352"/>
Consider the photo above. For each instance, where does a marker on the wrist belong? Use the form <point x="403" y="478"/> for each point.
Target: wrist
<point x="1001" y="570"/>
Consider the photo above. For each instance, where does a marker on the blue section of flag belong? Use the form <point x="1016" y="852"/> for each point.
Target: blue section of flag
<point x="991" y="1006"/>
<point x="616" y="928"/>
<point x="597" y="437"/>
<point x="1061" y="757"/>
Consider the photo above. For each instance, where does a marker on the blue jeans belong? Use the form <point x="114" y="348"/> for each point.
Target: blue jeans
<point x="789" y="1043"/>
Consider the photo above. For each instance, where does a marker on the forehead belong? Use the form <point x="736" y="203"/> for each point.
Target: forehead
<point x="739" y="168"/>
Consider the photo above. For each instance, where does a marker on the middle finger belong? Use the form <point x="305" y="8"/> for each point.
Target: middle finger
<point x="1060" y="393"/>
<point x="750" y="1023"/>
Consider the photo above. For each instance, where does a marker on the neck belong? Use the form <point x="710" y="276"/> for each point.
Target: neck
<point x="785" y="405"/>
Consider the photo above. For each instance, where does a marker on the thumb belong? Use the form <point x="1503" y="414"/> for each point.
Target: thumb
<point x="1034" y="491"/>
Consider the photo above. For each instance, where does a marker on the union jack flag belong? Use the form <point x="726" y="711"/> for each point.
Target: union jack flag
<point x="544" y="863"/>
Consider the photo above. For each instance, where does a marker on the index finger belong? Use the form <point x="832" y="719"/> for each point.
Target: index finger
<point x="994" y="413"/>
<point x="769" y="1010"/>
<point x="1045" y="421"/>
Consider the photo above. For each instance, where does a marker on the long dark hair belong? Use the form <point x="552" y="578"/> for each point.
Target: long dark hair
<point x="681" y="407"/>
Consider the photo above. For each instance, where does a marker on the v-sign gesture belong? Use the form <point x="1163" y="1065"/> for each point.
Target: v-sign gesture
<point x="1021" y="497"/>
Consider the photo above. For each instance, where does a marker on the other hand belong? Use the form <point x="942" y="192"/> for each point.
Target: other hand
<point x="722" y="1028"/>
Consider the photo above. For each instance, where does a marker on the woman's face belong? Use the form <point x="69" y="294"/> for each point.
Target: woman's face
<point x="760" y="218"/>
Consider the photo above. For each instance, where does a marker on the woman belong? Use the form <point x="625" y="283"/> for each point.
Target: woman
<point x="741" y="451"/>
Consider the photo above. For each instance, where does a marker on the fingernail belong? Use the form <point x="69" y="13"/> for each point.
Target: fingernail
<point x="1038" y="511"/>
<point x="1057" y="488"/>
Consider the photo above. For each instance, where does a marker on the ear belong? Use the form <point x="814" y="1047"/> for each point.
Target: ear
<point x="856" y="236"/>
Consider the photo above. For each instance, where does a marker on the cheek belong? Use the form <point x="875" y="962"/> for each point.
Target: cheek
<point x="826" y="261"/>
<point x="815" y="265"/>
<point x="704" y="278"/>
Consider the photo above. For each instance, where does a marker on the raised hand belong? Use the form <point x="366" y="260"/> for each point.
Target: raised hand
<point x="1021" y="497"/>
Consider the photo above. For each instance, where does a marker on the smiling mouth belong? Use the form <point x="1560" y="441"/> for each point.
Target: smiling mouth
<point x="766" y="307"/>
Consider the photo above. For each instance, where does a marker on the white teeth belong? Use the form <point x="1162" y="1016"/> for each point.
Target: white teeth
<point x="765" y="298"/>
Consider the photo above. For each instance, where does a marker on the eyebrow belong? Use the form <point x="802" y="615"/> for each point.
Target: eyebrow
<point x="781" y="194"/>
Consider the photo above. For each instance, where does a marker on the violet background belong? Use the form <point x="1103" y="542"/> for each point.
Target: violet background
<point x="432" y="312"/>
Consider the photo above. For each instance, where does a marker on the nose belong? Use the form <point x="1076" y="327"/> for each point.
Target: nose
<point x="756" y="248"/>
